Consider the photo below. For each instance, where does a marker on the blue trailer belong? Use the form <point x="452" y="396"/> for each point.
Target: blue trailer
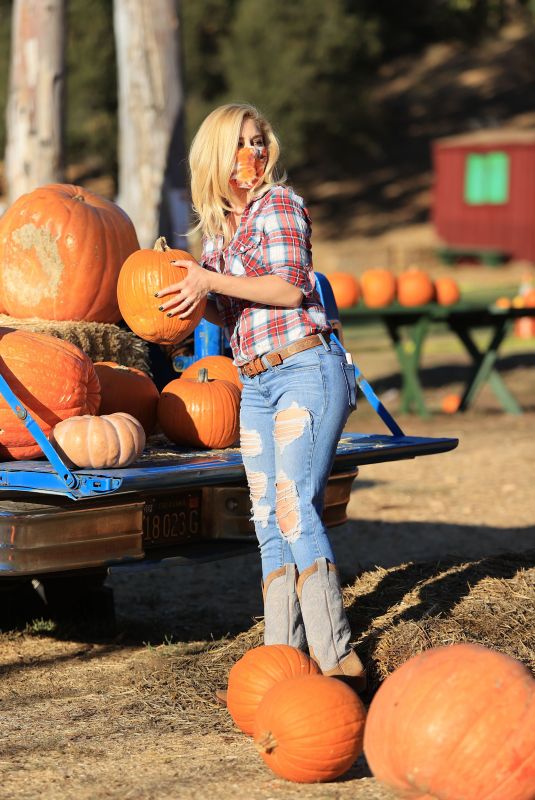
<point x="65" y="528"/>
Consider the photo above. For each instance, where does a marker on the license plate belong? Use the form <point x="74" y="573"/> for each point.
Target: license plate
<point x="171" y="518"/>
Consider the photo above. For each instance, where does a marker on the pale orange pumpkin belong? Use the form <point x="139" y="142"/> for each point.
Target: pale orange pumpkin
<point x="61" y="249"/>
<point x="415" y="288"/>
<point x="142" y="275"/>
<point x="254" y="675"/>
<point x="200" y="413"/>
<point x="219" y="368"/>
<point x="130" y="390"/>
<point x="455" y="722"/>
<point x="345" y="288"/>
<point x="106" y="442"/>
<point x="447" y="291"/>
<point x="378" y="287"/>
<point x="310" y="729"/>
<point x="53" y="379"/>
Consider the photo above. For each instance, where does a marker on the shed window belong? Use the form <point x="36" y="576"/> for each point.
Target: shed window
<point x="486" y="178"/>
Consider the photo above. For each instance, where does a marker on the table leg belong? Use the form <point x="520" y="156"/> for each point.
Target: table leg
<point x="483" y="367"/>
<point x="408" y="351"/>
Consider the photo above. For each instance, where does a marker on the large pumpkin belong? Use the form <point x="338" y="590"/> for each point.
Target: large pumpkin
<point x="200" y="413"/>
<point x="53" y="379"/>
<point x="113" y="440"/>
<point x="130" y="390"/>
<point x="61" y="249"/>
<point x="256" y="672"/>
<point x="142" y="275"/>
<point x="415" y="288"/>
<point x="378" y="287"/>
<point x="310" y="729"/>
<point x="447" y="291"/>
<point x="455" y="723"/>
<point x="219" y="368"/>
<point x="345" y="288"/>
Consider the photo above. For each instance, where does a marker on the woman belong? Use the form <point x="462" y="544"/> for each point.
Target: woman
<point x="298" y="387"/>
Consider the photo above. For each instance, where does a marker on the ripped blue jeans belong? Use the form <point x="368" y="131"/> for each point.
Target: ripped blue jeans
<point x="291" y="419"/>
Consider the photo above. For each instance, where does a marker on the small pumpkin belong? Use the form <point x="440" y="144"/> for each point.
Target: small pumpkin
<point x="310" y="729"/>
<point x="52" y="378"/>
<point x="220" y="368"/>
<point x="455" y="722"/>
<point x="447" y="291"/>
<point x="450" y="403"/>
<point x="143" y="274"/>
<point x="112" y="440"/>
<point x="61" y="249"/>
<point x="415" y="288"/>
<point x="256" y="672"/>
<point x="200" y="413"/>
<point x="378" y="287"/>
<point x="345" y="288"/>
<point x="130" y="390"/>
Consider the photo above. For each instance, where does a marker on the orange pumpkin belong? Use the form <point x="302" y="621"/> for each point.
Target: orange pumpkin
<point x="220" y="368"/>
<point x="256" y="672"/>
<point x="53" y="379"/>
<point x="447" y="291"/>
<point x="200" y="413"/>
<point x="450" y="403"/>
<point x="310" y="729"/>
<point x="61" y="249"/>
<point x="378" y="287"/>
<point x="142" y="275"/>
<point x="130" y="390"/>
<point x="455" y="722"/>
<point x="106" y="442"/>
<point x="415" y="288"/>
<point x="503" y="302"/>
<point x="345" y="288"/>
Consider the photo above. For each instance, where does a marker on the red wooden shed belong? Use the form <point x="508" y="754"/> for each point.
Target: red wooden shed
<point x="484" y="192"/>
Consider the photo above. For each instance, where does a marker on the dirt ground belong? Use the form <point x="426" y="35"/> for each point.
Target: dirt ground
<point x="77" y="721"/>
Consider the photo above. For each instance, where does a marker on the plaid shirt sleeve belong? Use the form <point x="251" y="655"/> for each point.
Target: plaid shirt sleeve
<point x="286" y="242"/>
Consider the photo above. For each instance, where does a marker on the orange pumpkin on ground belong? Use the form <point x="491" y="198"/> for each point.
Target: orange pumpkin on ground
<point x="220" y="368"/>
<point x="256" y="672"/>
<point x="200" y="413"/>
<point x="415" y="288"/>
<point x="450" y="403"/>
<point x="455" y="722"/>
<point x="447" y="291"/>
<point x="53" y="379"/>
<point x="61" y="249"/>
<point x="112" y="440"/>
<point x="142" y="275"/>
<point x="310" y="729"/>
<point x="345" y="288"/>
<point x="130" y="390"/>
<point x="378" y="287"/>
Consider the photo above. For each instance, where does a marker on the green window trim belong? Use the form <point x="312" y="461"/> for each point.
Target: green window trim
<point x="486" y="178"/>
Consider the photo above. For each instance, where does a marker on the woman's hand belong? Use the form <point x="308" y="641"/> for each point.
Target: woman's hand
<point x="188" y="292"/>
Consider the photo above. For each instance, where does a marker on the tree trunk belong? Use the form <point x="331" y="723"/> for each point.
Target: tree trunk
<point x="151" y="145"/>
<point x="34" y="149"/>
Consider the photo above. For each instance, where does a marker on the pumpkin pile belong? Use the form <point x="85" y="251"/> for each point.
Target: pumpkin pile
<point x="412" y="287"/>
<point x="307" y="727"/>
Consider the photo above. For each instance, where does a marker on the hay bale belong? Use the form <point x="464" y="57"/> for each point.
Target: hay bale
<point x="101" y="341"/>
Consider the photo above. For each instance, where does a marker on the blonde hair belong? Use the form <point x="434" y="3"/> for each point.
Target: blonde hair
<point x="211" y="161"/>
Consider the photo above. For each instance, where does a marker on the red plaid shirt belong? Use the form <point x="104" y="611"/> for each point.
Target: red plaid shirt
<point x="273" y="238"/>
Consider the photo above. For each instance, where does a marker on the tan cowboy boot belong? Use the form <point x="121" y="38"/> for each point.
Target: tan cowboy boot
<point x="327" y="629"/>
<point x="283" y="622"/>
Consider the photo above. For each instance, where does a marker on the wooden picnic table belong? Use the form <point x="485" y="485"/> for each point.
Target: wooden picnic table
<point x="409" y="327"/>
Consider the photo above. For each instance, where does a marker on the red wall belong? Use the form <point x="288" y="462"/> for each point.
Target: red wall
<point x="509" y="227"/>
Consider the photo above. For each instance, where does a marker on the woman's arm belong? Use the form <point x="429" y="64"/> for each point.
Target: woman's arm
<point x="268" y="290"/>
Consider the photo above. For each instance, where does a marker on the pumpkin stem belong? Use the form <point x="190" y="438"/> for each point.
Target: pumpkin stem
<point x="161" y="244"/>
<point x="79" y="197"/>
<point x="266" y="743"/>
<point x="202" y="376"/>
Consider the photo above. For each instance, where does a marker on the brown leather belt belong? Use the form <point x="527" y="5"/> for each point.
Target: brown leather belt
<point x="255" y="367"/>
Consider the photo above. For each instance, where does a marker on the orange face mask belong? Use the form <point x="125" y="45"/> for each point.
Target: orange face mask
<point x="249" y="167"/>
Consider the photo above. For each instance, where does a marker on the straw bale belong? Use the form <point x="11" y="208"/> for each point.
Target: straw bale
<point x="101" y="341"/>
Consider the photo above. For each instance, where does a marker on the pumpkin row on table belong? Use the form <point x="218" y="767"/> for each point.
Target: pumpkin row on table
<point x="452" y="723"/>
<point x="380" y="287"/>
